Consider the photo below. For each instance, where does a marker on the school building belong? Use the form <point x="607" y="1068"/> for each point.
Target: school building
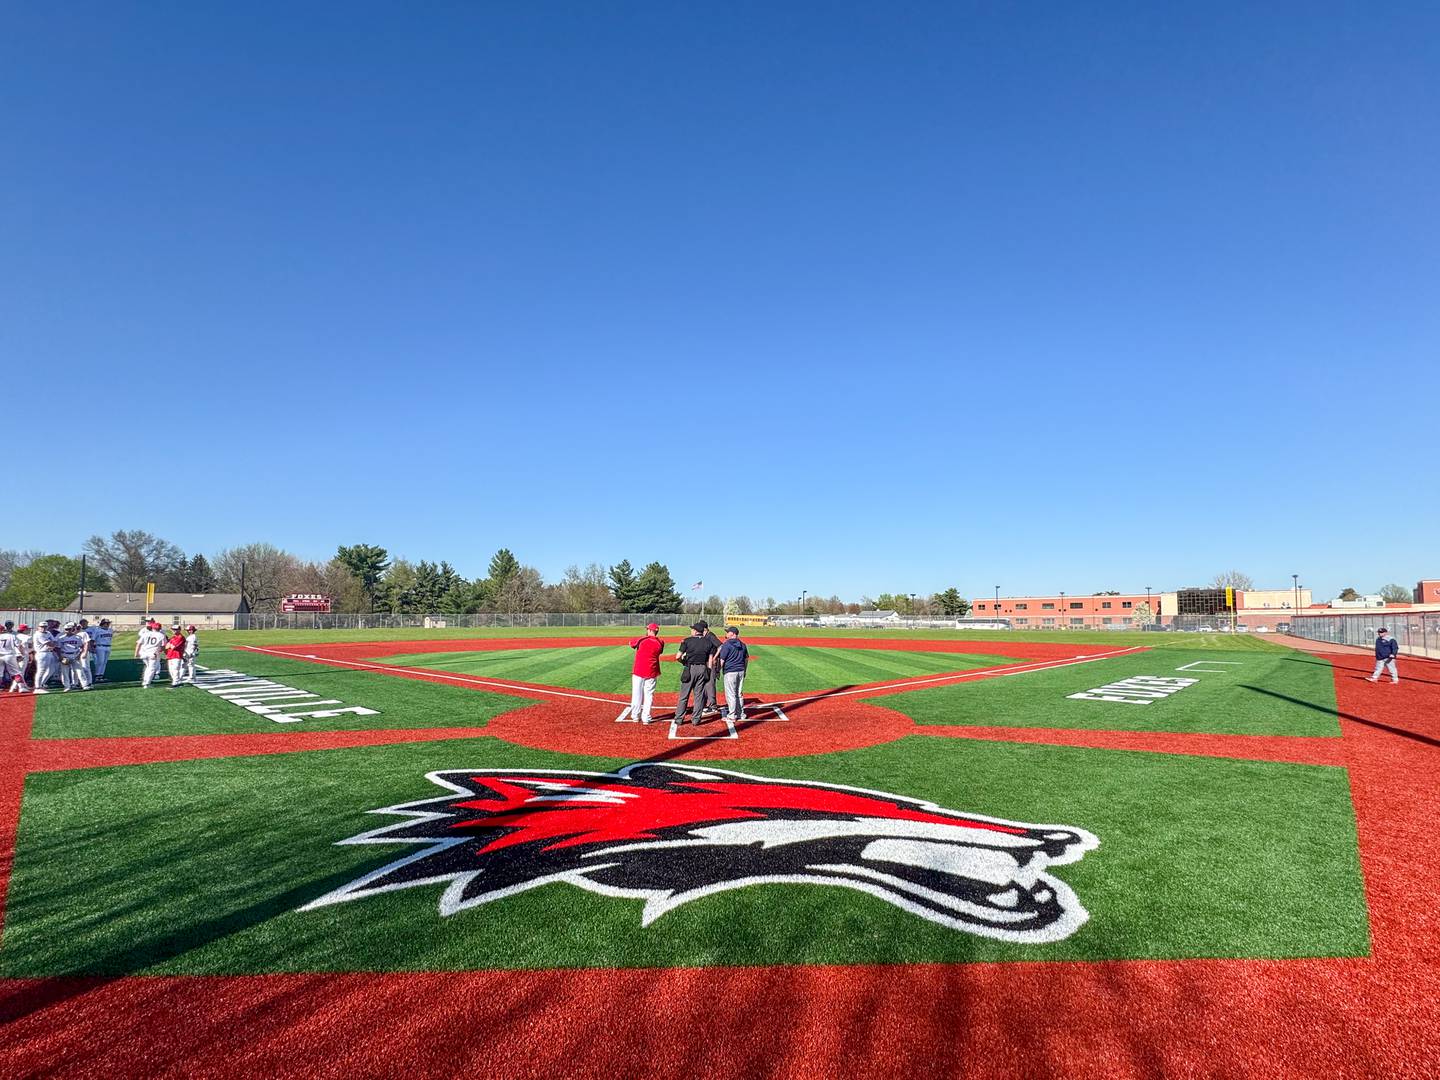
<point x="1062" y="609"/>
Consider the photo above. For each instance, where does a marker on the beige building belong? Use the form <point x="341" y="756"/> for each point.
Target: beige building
<point x="208" y="611"/>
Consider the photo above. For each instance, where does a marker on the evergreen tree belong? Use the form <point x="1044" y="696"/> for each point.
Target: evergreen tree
<point x="368" y="563"/>
<point x="201" y="578"/>
<point x="951" y="602"/>
<point x="622" y="584"/>
<point x="654" y="590"/>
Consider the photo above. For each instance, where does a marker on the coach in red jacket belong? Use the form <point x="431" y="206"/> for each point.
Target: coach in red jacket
<point x="645" y="672"/>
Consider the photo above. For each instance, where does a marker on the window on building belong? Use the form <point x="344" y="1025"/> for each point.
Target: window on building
<point x="1077" y="622"/>
<point x="1107" y="621"/>
<point x="1047" y="607"/>
<point x="1022" y="607"/>
<point x="1047" y="622"/>
<point x="1105" y="604"/>
<point x="1021" y="621"/>
<point x="979" y="607"/>
<point x="1126" y="604"/>
<point x="1077" y="605"/>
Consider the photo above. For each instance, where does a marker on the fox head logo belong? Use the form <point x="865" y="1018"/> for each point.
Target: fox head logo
<point x="668" y="835"/>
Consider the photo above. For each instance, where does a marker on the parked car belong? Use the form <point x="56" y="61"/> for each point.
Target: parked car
<point x="1282" y="628"/>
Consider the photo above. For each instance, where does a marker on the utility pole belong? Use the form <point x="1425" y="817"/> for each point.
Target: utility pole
<point x="82" y="584"/>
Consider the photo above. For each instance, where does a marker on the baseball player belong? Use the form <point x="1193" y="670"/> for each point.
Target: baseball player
<point x="70" y="645"/>
<point x="148" y="644"/>
<point x="27" y="653"/>
<point x="192" y="650"/>
<point x="175" y="655"/>
<point x="12" y="658"/>
<point x="47" y="656"/>
<point x="101" y="638"/>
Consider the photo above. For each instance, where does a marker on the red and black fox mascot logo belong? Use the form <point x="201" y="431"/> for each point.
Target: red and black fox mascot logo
<point x="670" y="834"/>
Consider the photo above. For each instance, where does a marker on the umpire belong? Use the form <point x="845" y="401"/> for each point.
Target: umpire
<point x="694" y="657"/>
<point x="712" y="679"/>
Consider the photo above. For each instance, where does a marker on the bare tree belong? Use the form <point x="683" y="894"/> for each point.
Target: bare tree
<point x="267" y="573"/>
<point x="131" y="557"/>
<point x="10" y="561"/>
<point x="1396" y="594"/>
<point x="585" y="590"/>
<point x="522" y="592"/>
<point x="1233" y="579"/>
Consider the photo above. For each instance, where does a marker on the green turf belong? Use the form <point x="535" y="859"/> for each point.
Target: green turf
<point x="121" y="707"/>
<point x="200" y="867"/>
<point x="1250" y="693"/>
<point x="773" y="669"/>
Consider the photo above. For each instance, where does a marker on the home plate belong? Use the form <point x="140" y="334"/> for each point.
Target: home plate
<point x="677" y="731"/>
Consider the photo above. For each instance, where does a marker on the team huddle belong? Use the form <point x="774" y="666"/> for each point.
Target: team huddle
<point x="76" y="655"/>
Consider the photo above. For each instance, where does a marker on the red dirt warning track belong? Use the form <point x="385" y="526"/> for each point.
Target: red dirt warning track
<point x="1375" y="1017"/>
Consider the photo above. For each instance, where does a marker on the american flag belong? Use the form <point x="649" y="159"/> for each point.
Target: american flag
<point x="698" y="585"/>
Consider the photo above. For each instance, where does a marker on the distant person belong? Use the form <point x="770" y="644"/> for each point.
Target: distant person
<point x="101" y="638"/>
<point x="192" y="650"/>
<point x="645" y="672"/>
<point x="149" y="643"/>
<point x="695" y="655"/>
<point x="175" y="655"/>
<point x="70" y="645"/>
<point x="1386" y="650"/>
<point x="733" y="658"/>
<point x="27" y="649"/>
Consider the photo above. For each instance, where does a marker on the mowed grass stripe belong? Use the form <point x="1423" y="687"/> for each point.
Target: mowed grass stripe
<point x="774" y="669"/>
<point x="1250" y="693"/>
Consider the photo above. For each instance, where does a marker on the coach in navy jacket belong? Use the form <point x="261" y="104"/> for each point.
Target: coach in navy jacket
<point x="1386" y="650"/>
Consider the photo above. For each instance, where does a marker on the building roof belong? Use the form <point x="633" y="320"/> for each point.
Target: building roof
<point x="168" y="603"/>
<point x="877" y="615"/>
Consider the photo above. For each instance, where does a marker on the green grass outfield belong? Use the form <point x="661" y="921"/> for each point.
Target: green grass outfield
<point x="774" y="669"/>
<point x="1247" y="692"/>
<point x="120" y="707"/>
<point x="200" y="867"/>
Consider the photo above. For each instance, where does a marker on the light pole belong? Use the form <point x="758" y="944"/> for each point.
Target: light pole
<point x="997" y="599"/>
<point x="1295" y="578"/>
<point x="803" y="593"/>
<point x="912" y="604"/>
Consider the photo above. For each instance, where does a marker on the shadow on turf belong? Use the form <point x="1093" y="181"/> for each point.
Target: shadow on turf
<point x="1402" y="732"/>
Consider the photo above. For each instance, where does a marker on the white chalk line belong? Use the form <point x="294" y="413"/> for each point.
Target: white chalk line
<point x="881" y="688"/>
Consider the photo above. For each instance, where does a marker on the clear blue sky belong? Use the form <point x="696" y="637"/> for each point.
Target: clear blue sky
<point x="846" y="298"/>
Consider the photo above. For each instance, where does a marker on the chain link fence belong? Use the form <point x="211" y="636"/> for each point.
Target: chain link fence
<point x="1417" y="632"/>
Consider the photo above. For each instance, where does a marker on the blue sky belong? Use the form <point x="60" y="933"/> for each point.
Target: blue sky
<point x="844" y="298"/>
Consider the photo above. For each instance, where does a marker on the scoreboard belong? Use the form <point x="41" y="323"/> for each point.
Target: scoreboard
<point x="306" y="602"/>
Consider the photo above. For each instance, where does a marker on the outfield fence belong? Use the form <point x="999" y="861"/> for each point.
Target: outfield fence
<point x="1417" y="632"/>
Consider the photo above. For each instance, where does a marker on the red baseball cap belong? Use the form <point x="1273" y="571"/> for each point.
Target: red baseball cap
<point x="652" y="626"/>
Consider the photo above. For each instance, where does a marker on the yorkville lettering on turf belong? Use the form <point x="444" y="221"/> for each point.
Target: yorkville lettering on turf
<point x="271" y="699"/>
<point x="1137" y="690"/>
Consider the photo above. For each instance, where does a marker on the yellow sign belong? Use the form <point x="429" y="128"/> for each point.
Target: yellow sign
<point x="1229" y="597"/>
<point x="149" y="595"/>
<point x="749" y="620"/>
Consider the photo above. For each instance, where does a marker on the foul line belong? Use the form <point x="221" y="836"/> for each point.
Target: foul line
<point x="513" y="688"/>
<point x="982" y="673"/>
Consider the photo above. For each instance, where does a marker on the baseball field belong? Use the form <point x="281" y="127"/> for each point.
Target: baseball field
<point x="368" y="853"/>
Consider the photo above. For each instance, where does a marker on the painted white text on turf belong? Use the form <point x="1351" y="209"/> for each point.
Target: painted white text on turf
<point x="1137" y="690"/>
<point x="271" y="699"/>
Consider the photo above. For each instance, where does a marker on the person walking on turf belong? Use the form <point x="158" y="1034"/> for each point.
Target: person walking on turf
<point x="645" y="673"/>
<point x="733" y="658"/>
<point x="1386" y="650"/>
<point x="695" y="655"/>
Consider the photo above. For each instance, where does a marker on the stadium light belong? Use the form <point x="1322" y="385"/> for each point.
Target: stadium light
<point x="803" y="593"/>
<point x="997" y="598"/>
<point x="1296" y="579"/>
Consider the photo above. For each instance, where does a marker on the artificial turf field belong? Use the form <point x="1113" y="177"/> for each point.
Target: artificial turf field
<point x="914" y="857"/>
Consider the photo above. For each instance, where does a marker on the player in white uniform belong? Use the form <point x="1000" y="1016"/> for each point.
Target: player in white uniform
<point x="101" y="637"/>
<point x="47" y="659"/>
<point x="12" y="658"/>
<point x="192" y="650"/>
<point x="148" y="645"/>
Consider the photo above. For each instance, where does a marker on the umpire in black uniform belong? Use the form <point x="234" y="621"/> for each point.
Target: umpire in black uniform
<point x="712" y="680"/>
<point x="695" y="655"/>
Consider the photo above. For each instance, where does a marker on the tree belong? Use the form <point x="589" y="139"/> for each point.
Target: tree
<point x="261" y="572"/>
<point x="585" y="590"/>
<point x="1396" y="594"/>
<point x="1232" y="579"/>
<point x="10" y="561"/>
<point x="132" y="557"/>
<point x="503" y="566"/>
<point x="622" y="585"/>
<point x="521" y="592"/>
<point x="742" y="605"/>
<point x="1348" y="593"/>
<point x="1142" y="615"/>
<point x="368" y="563"/>
<point x="950" y="602"/>
<point x="49" y="583"/>
<point x="396" y="591"/>
<point x="654" y="590"/>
